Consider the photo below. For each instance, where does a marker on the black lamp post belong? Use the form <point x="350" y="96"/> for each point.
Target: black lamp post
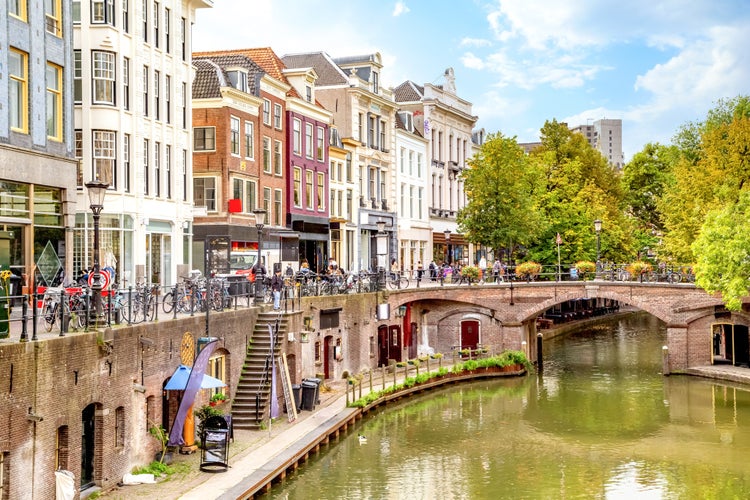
<point x="97" y="190"/>
<point x="382" y="251"/>
<point x="598" y="229"/>
<point x="260" y="221"/>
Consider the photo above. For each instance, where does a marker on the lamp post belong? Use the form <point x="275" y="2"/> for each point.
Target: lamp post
<point x="598" y="229"/>
<point x="447" y="234"/>
<point x="382" y="251"/>
<point x="260" y="220"/>
<point x="97" y="190"/>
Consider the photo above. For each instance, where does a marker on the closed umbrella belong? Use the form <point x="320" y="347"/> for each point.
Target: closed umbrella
<point x="178" y="380"/>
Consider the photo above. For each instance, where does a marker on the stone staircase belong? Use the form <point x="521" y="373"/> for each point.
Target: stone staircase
<point x="249" y="405"/>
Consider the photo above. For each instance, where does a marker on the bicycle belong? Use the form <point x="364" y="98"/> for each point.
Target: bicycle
<point x="396" y="281"/>
<point x="140" y="305"/>
<point x="74" y="307"/>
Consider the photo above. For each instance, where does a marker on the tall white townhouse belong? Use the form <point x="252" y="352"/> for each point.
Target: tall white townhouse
<point x="447" y="122"/>
<point x="132" y="77"/>
<point x="364" y="114"/>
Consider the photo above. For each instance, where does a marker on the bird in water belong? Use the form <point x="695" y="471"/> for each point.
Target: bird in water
<point x="362" y="439"/>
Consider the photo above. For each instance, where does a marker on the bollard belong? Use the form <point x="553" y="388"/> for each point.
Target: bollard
<point x="540" y="361"/>
<point x="665" y="360"/>
<point x="347" y="393"/>
<point x="34" y="315"/>
<point x="382" y="372"/>
<point x="63" y="326"/>
<point x="395" y="369"/>
<point x="360" y="387"/>
<point x="370" y="372"/>
<point x="24" y="319"/>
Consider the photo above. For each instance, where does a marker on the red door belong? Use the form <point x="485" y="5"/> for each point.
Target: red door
<point x="327" y="348"/>
<point x="394" y="342"/>
<point x="469" y="334"/>
<point x="383" y="345"/>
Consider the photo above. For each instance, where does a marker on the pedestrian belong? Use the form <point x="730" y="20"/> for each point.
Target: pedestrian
<point x="433" y="270"/>
<point x="420" y="270"/>
<point x="277" y="284"/>
<point x="258" y="274"/>
<point x="394" y="269"/>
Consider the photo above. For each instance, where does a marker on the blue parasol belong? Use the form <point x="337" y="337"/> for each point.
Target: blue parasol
<point x="178" y="380"/>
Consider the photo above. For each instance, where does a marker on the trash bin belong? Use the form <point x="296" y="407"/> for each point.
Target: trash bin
<point x="215" y="445"/>
<point x="317" y="383"/>
<point x="297" y="396"/>
<point x="308" y="395"/>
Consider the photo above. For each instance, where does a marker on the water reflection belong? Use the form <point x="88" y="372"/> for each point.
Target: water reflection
<point x="601" y="422"/>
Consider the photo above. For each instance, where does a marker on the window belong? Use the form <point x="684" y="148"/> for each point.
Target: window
<point x="54" y="102"/>
<point x="267" y="204"/>
<point x="157" y="92"/>
<point x="78" y="153"/>
<point x="277" y="205"/>
<point x="184" y="167"/>
<point x="411" y="162"/>
<point x="234" y="135"/>
<point x="419" y="202"/>
<point x="297" y="187"/>
<point x="321" y="191"/>
<point x="53" y="14"/>
<point x="157" y="169"/>
<point x="168" y="97"/>
<point x="238" y="79"/>
<point x="103" y="73"/>
<point x="168" y="170"/>
<point x="382" y="142"/>
<point x="277" y="157"/>
<point x="349" y="204"/>
<point x="144" y="13"/>
<point x="371" y="131"/>
<point x="155" y="22"/>
<point x="308" y="140"/>
<point x="267" y="155"/>
<point x="184" y="105"/>
<point x="244" y="190"/>
<point x="375" y="84"/>
<point x="126" y="162"/>
<point x="317" y="351"/>
<point x="125" y="16"/>
<point x="77" y="77"/>
<point x="145" y="91"/>
<point x="102" y="12"/>
<point x="204" y="192"/>
<point x="146" y="172"/>
<point x="277" y="116"/>
<point x="308" y="189"/>
<point x="266" y="112"/>
<point x="308" y="93"/>
<point x="126" y="83"/>
<point x="167" y="14"/>
<point x="17" y="8"/>
<point x="348" y="167"/>
<point x="104" y="154"/>
<point x="204" y="138"/>
<point x="321" y="141"/>
<point x="119" y="427"/>
<point x="183" y="37"/>
<point x="419" y="165"/>
<point x="249" y="140"/>
<point x="297" y="137"/>
<point x="360" y="127"/>
<point x="18" y="68"/>
<point x="402" y="157"/>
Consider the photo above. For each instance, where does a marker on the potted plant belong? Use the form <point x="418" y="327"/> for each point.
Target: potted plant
<point x="471" y="273"/>
<point x="163" y="456"/>
<point x="585" y="268"/>
<point x="528" y="270"/>
<point x="639" y="268"/>
<point x="204" y="413"/>
<point x="217" y="399"/>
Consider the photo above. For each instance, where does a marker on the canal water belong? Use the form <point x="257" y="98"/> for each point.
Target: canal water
<point x="601" y="421"/>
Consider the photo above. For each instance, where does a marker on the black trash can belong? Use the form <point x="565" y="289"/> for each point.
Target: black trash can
<point x="308" y="395"/>
<point x="297" y="396"/>
<point x="317" y="383"/>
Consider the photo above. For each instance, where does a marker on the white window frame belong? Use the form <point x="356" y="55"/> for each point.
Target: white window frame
<point x="250" y="140"/>
<point x="234" y="136"/>
<point x="103" y="74"/>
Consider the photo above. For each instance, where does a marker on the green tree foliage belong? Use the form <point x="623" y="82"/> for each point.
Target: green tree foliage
<point x="710" y="174"/>
<point x="723" y="252"/>
<point x="580" y="186"/>
<point x="502" y="191"/>
<point x="645" y="179"/>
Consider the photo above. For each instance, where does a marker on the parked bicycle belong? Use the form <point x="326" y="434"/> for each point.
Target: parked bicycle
<point x="139" y="305"/>
<point x="73" y="307"/>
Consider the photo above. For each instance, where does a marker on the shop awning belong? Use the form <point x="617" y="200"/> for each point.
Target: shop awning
<point x="178" y="380"/>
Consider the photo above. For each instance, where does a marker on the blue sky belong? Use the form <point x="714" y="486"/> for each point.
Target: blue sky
<point x="654" y="64"/>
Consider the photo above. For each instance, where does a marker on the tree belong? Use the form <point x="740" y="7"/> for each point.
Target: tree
<point x="645" y="178"/>
<point x="501" y="188"/>
<point x="723" y="252"/>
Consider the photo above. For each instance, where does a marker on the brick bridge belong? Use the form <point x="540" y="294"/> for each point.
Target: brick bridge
<point x="505" y="315"/>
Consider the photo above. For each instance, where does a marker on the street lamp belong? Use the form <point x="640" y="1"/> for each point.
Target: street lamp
<point x="97" y="190"/>
<point x="381" y="250"/>
<point x="598" y="229"/>
<point x="260" y="220"/>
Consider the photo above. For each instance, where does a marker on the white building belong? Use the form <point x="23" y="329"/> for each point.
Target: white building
<point x="132" y="80"/>
<point x="606" y="137"/>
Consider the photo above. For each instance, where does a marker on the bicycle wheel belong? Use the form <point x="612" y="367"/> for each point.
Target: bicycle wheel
<point x="50" y="315"/>
<point x="675" y="278"/>
<point x="77" y="315"/>
<point x="168" y="302"/>
<point x="403" y="282"/>
<point x="149" y="312"/>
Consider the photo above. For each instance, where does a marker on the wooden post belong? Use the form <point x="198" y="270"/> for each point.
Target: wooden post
<point x="370" y="372"/>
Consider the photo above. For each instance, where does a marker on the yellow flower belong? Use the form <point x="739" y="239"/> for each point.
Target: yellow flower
<point x="5" y="275"/>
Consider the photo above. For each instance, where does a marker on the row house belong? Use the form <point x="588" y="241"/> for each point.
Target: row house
<point x="447" y="123"/>
<point x="37" y="168"/>
<point x="289" y="178"/>
<point x="363" y="115"/>
<point x="131" y="74"/>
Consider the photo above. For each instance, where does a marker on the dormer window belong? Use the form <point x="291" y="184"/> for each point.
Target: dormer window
<point x="238" y="79"/>
<point x="308" y="93"/>
<point x="374" y="82"/>
<point x="407" y="119"/>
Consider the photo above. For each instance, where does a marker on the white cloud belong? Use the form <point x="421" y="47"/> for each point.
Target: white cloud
<point x="471" y="61"/>
<point x="475" y="42"/>
<point x="400" y="8"/>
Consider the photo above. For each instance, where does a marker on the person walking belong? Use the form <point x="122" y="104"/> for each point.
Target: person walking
<point x="277" y="284"/>
<point x="420" y="270"/>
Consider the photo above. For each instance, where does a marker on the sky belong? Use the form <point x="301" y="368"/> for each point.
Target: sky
<point x="656" y="65"/>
